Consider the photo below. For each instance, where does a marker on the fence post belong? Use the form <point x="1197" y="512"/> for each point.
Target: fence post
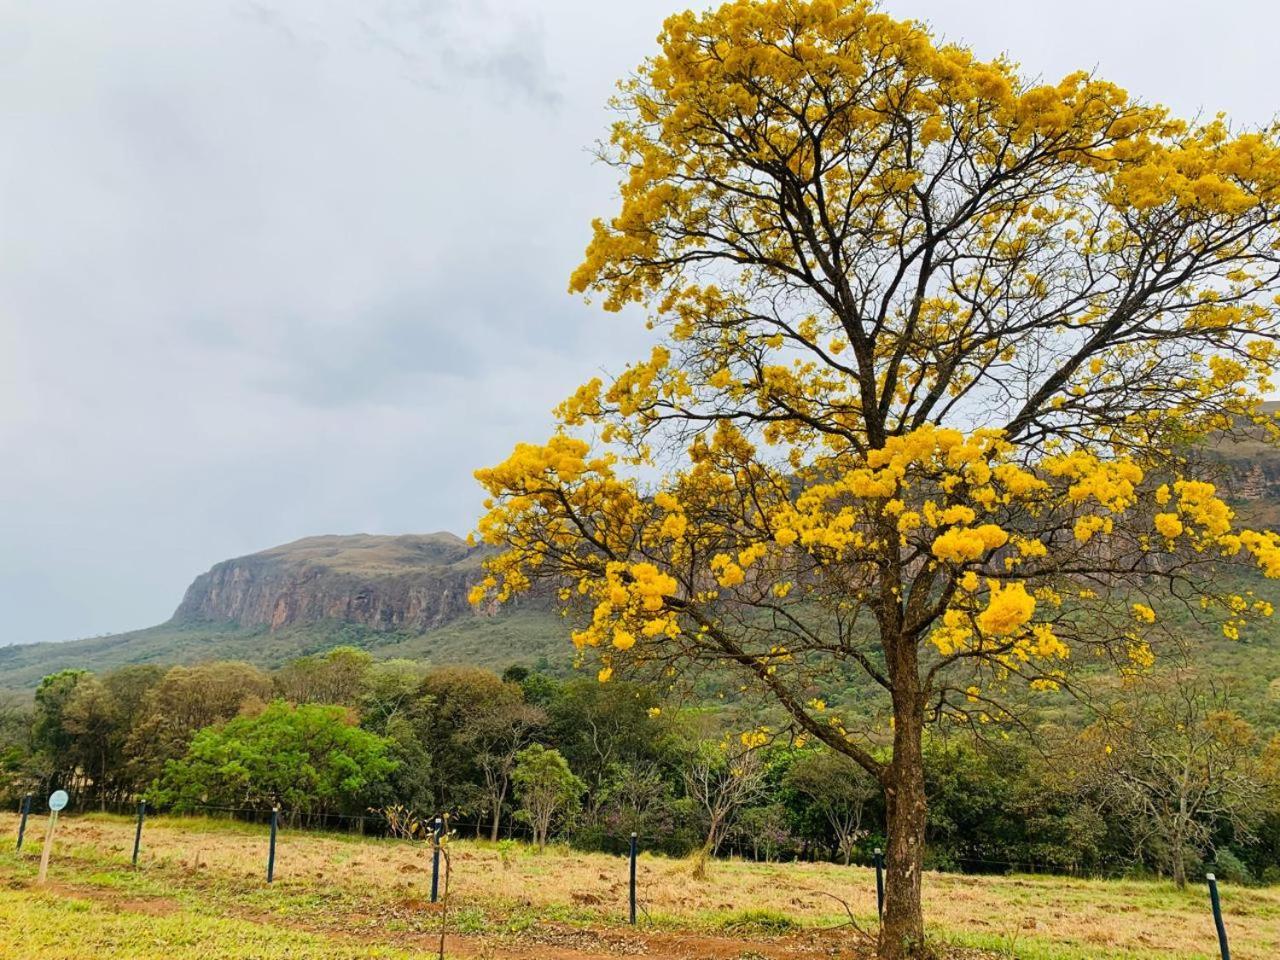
<point x="22" y="825"/>
<point x="43" y="875"/>
<point x="633" y="879"/>
<point x="1217" y="916"/>
<point x="879" y="860"/>
<point x="435" y="860"/>
<point x="271" y="852"/>
<point x="137" y="835"/>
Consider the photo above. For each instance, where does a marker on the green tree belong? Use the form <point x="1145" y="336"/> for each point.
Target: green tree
<point x="1265" y="854"/>
<point x="547" y="789"/>
<point x="51" y="739"/>
<point x="606" y="732"/>
<point x="188" y="699"/>
<point x="15" y="747"/>
<point x="390" y="693"/>
<point x="392" y="706"/>
<point x="341" y="675"/>
<point x="474" y="724"/>
<point x="92" y="720"/>
<point x="766" y="829"/>
<point x="100" y="715"/>
<point x="131" y="689"/>
<point x="309" y="759"/>
<point x="838" y="789"/>
<point x="1175" y="761"/>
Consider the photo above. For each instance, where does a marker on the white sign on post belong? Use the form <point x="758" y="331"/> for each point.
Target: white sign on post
<point x="57" y="801"/>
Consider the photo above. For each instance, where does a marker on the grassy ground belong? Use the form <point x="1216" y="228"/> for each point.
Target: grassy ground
<point x="200" y="894"/>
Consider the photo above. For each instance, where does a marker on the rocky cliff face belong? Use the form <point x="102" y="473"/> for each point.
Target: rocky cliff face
<point x="412" y="582"/>
<point x="1250" y="471"/>
<point x="1256" y="481"/>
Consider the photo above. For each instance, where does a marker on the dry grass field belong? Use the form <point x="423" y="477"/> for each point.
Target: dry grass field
<point x="200" y="893"/>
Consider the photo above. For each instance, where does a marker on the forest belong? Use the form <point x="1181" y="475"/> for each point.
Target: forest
<point x="1168" y="777"/>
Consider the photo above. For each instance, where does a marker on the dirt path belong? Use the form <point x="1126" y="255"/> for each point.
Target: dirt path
<point x="574" y="944"/>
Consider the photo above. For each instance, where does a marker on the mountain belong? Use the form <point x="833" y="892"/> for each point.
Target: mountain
<point x="412" y="582"/>
<point x="396" y="596"/>
<point x="1252" y="472"/>
<point x="406" y="596"/>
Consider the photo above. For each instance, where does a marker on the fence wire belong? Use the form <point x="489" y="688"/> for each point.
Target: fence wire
<point x="375" y="824"/>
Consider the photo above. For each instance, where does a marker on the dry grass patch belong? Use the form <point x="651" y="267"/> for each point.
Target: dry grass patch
<point x="362" y="885"/>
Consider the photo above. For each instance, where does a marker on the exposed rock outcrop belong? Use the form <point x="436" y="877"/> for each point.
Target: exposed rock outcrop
<point x="411" y="582"/>
<point x="1249" y="469"/>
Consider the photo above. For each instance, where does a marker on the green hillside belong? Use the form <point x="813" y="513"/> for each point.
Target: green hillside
<point x="539" y="636"/>
<point x="518" y="635"/>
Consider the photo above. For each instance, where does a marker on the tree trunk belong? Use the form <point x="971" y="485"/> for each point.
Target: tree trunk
<point x="700" y="861"/>
<point x="542" y="827"/>
<point x="902" y="931"/>
<point x="1179" y="864"/>
<point x="713" y="838"/>
<point x="498" y="800"/>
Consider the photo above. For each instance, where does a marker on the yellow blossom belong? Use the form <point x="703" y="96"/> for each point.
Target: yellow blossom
<point x="1009" y="608"/>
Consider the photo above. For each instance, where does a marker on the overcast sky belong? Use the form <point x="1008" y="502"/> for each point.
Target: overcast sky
<point x="273" y="268"/>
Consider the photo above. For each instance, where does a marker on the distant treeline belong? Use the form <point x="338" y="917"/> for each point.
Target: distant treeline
<point x="1169" y="780"/>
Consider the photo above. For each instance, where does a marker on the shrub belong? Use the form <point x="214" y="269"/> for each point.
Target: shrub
<point x="1229" y="868"/>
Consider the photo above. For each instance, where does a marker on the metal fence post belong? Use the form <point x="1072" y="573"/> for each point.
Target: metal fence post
<point x="633" y="879"/>
<point x="271" y="853"/>
<point x="22" y="825"/>
<point x="435" y="860"/>
<point x="1217" y="916"/>
<point x="879" y="861"/>
<point x="137" y="836"/>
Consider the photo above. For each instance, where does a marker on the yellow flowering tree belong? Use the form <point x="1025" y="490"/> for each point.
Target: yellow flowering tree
<point x="933" y="344"/>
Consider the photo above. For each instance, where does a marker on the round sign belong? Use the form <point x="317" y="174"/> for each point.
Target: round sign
<point x="58" y="800"/>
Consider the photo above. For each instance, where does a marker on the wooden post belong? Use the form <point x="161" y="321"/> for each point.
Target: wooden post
<point x="1217" y="916"/>
<point x="48" y="847"/>
<point x="57" y="801"/>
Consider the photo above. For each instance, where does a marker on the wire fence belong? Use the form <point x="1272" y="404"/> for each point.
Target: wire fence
<point x="435" y="833"/>
<point x="375" y="824"/>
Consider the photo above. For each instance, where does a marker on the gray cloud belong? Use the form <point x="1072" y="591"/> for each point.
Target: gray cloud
<point x="284" y="267"/>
